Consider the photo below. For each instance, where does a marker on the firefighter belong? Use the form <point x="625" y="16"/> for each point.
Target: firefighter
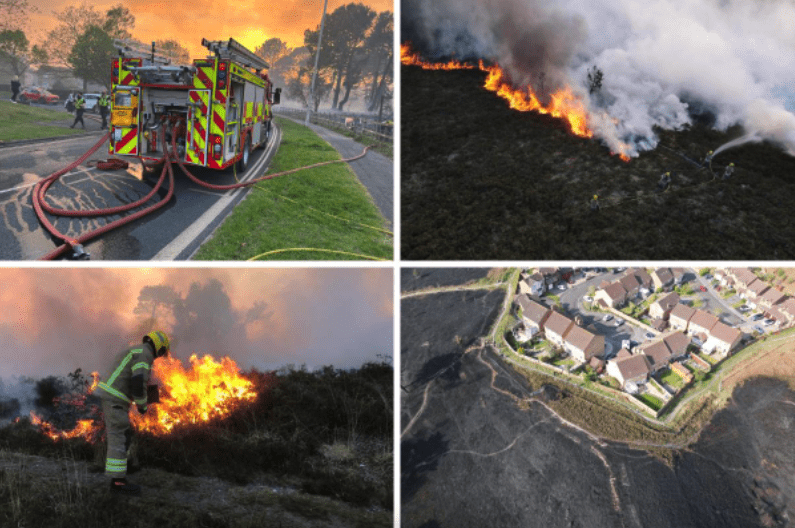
<point x="104" y="104"/>
<point x="595" y="203"/>
<point x="708" y="158"/>
<point x="14" y="88"/>
<point x="665" y="182"/>
<point x="80" y="107"/>
<point x="124" y="383"/>
<point x="728" y="172"/>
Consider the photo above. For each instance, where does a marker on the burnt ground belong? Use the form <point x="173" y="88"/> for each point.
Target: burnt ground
<point x="413" y="279"/>
<point x="473" y="456"/>
<point x="483" y="182"/>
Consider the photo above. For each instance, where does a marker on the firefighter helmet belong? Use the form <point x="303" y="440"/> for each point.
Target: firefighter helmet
<point x="731" y="164"/>
<point x="159" y="341"/>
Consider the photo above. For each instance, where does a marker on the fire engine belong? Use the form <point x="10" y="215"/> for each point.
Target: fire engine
<point x="218" y="108"/>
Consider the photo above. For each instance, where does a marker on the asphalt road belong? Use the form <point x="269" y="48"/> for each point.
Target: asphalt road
<point x="173" y="232"/>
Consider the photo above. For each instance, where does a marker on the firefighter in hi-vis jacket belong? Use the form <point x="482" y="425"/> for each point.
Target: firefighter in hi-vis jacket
<point x="123" y="384"/>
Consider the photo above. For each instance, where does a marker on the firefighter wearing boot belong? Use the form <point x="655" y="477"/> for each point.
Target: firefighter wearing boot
<point x="124" y="384"/>
<point x="594" y="204"/>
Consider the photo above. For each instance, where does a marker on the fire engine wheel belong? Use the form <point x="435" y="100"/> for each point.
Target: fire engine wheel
<point x="243" y="163"/>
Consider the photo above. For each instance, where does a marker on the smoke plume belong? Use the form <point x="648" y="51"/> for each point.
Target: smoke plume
<point x="663" y="60"/>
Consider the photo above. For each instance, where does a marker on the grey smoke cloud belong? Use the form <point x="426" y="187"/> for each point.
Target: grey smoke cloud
<point x="659" y="57"/>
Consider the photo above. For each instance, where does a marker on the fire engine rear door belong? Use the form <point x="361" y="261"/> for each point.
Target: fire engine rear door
<point x="124" y="120"/>
<point x="198" y="124"/>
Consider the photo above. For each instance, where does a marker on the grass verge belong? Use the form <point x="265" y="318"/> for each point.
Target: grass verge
<point x="294" y="211"/>
<point x="19" y="121"/>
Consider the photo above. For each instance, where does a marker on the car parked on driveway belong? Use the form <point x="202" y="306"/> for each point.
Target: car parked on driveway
<point x="769" y="322"/>
<point x="759" y="329"/>
<point x="649" y="335"/>
<point x="757" y="317"/>
<point x="608" y="317"/>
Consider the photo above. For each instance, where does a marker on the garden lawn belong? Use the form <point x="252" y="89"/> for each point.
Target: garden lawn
<point x="325" y="213"/>
<point x="19" y="121"/>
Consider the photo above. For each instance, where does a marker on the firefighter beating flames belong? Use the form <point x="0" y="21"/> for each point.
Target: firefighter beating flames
<point x="123" y="385"/>
<point x="206" y="390"/>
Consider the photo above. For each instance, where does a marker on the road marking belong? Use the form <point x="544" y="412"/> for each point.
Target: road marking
<point x="189" y="235"/>
<point x="18" y="187"/>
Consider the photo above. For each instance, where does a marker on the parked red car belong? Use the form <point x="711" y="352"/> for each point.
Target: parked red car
<point x="703" y="289"/>
<point x="38" y="95"/>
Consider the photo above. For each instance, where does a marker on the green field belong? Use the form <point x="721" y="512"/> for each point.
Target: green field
<point x="318" y="214"/>
<point x="652" y="401"/>
<point x="19" y="121"/>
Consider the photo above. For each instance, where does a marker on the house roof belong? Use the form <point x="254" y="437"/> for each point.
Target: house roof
<point x="725" y="333"/>
<point x="743" y="275"/>
<point x="532" y="310"/>
<point x="683" y="312"/>
<point x="776" y="314"/>
<point x="659" y="324"/>
<point x="642" y="275"/>
<point x="657" y="353"/>
<point x="633" y="366"/>
<point x="580" y="338"/>
<point x="663" y="275"/>
<point x="788" y="306"/>
<point x="558" y="323"/>
<point x="668" y="302"/>
<point x="547" y="271"/>
<point x="615" y="290"/>
<point x="758" y="287"/>
<point x="677" y="343"/>
<point x="773" y="296"/>
<point x="703" y="319"/>
<point x="623" y="353"/>
<point x="596" y="362"/>
<point x="537" y="276"/>
<point x="629" y="282"/>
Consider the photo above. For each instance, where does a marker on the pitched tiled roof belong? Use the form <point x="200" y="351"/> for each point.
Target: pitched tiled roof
<point x="703" y="319"/>
<point x="725" y="333"/>
<point x="615" y="290"/>
<point x="658" y="353"/>
<point x="532" y="310"/>
<point x="579" y="337"/>
<point x="773" y="296"/>
<point x="683" y="312"/>
<point x="664" y="275"/>
<point x="558" y="323"/>
<point x="669" y="301"/>
<point x="677" y="343"/>
<point x="629" y="282"/>
<point x="633" y="366"/>
<point x="758" y="287"/>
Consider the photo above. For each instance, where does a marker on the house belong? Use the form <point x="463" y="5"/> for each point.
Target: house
<point x="679" y="275"/>
<point x="613" y="294"/>
<point x="701" y="323"/>
<point x="772" y="297"/>
<point x="551" y="275"/>
<point x="787" y="308"/>
<point x="534" y="315"/>
<point x="662" y="307"/>
<point x="754" y="291"/>
<point x="622" y="354"/>
<point x="657" y="354"/>
<point x="631" y="285"/>
<point x="662" y="278"/>
<point x="597" y="363"/>
<point x="633" y="369"/>
<point x="722" y="339"/>
<point x="556" y="327"/>
<point x="680" y="316"/>
<point x="533" y="285"/>
<point x="582" y="344"/>
<point x="683" y="371"/>
<point x="677" y="343"/>
<point x="743" y="276"/>
<point x="644" y="279"/>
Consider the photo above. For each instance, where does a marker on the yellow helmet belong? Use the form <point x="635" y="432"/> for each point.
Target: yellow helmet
<point x="159" y="341"/>
<point x="667" y="173"/>
<point x="731" y="164"/>
<point x="595" y="197"/>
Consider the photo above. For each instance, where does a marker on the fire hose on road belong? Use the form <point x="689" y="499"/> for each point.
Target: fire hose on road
<point x="76" y="244"/>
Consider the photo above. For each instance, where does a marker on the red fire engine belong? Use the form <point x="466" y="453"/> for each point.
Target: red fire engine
<point x="219" y="108"/>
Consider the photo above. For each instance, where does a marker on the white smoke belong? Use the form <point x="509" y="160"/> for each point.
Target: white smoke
<point x="662" y="59"/>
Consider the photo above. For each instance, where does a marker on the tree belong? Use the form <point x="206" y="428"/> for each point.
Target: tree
<point x="15" y="52"/>
<point x="379" y="47"/>
<point x="342" y="50"/>
<point x="117" y="22"/>
<point x="15" y="14"/>
<point x="272" y="50"/>
<point x="172" y="49"/>
<point x="595" y="76"/>
<point x="91" y="56"/>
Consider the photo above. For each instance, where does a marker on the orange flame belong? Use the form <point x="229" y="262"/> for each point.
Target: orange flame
<point x="208" y="390"/>
<point x="410" y="58"/>
<point x="564" y="104"/>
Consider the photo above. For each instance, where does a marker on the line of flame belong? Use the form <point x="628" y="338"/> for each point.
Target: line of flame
<point x="564" y="104"/>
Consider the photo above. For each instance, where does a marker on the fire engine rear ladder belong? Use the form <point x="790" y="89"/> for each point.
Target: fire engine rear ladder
<point x="236" y="52"/>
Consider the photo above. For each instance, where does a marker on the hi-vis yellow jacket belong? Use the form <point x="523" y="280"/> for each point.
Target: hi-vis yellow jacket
<point x="128" y="374"/>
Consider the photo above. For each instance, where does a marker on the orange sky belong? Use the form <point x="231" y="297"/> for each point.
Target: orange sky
<point x="53" y="321"/>
<point x="247" y="21"/>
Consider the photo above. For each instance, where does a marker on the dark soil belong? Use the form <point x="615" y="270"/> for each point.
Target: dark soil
<point x="475" y="457"/>
<point x="483" y="182"/>
<point x="413" y="279"/>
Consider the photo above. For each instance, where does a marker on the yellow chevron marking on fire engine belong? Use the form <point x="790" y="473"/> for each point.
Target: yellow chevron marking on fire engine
<point x="249" y="112"/>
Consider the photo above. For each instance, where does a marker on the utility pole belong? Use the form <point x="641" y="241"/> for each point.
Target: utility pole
<point x="317" y="59"/>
